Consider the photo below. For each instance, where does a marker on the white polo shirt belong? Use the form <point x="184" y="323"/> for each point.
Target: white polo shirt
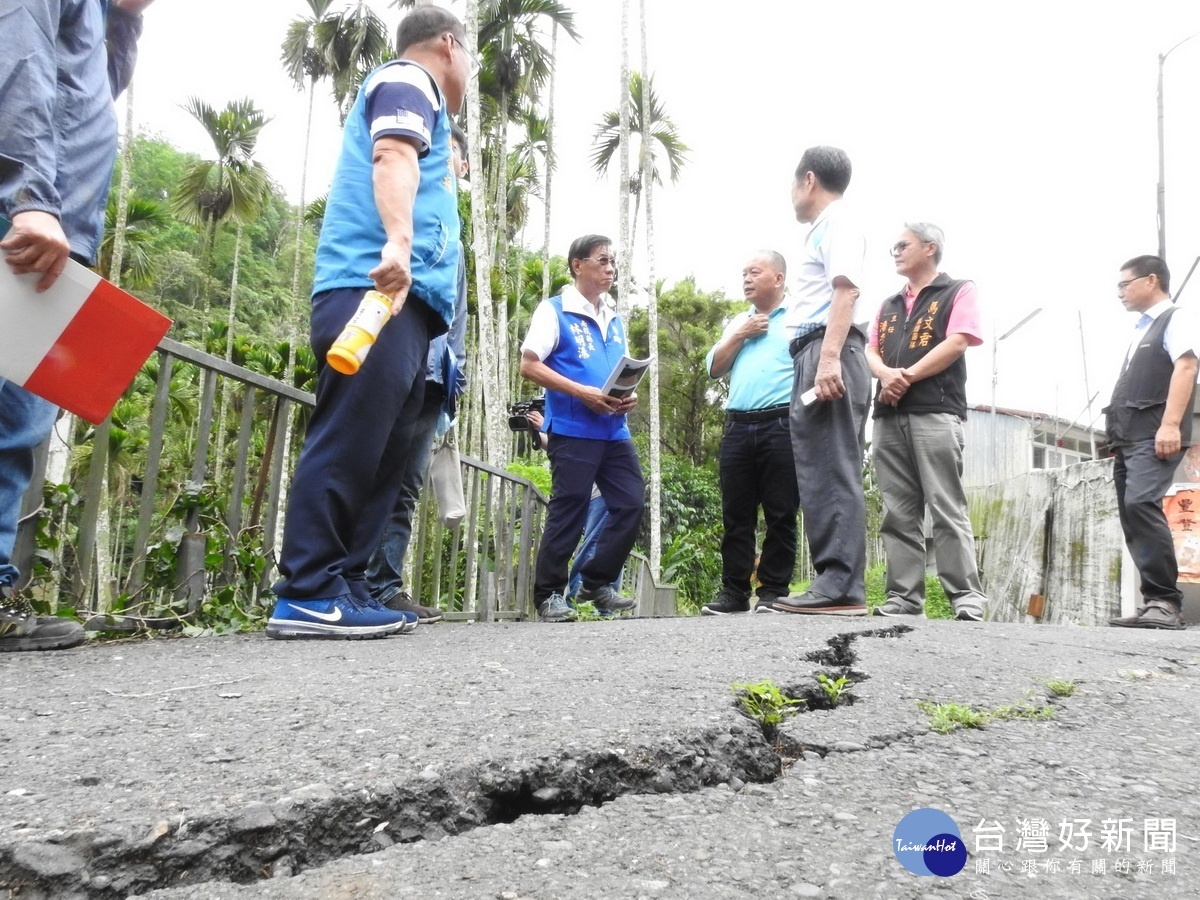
<point x="835" y="246"/>
<point x="1178" y="339"/>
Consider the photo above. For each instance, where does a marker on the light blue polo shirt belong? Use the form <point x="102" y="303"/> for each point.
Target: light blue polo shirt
<point x="761" y="376"/>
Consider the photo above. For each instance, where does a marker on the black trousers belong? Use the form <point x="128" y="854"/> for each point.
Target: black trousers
<point x="353" y="460"/>
<point x="575" y="465"/>
<point x="757" y="470"/>
<point x="1142" y="479"/>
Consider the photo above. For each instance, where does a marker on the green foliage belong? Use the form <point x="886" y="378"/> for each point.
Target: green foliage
<point x="836" y="689"/>
<point x="587" y="612"/>
<point x="169" y="256"/>
<point x="947" y="717"/>
<point x="936" y="604"/>
<point x="690" y="322"/>
<point x="691" y="561"/>
<point x="1059" y="688"/>
<point x="538" y="474"/>
<point x="765" y="702"/>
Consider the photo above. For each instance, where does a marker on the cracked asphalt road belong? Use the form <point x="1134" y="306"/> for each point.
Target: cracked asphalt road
<point x="167" y="768"/>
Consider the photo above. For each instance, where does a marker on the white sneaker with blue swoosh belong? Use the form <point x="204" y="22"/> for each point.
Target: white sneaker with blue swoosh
<point x="338" y="618"/>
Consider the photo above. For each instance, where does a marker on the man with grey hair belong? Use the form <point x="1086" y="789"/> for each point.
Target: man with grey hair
<point x="756" y="450"/>
<point x="916" y="351"/>
<point x="831" y="388"/>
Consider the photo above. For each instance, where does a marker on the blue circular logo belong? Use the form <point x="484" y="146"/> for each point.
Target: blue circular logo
<point x="928" y="842"/>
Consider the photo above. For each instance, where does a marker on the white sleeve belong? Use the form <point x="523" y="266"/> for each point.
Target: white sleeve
<point x="542" y="336"/>
<point x="1181" y="334"/>
<point x="845" y="250"/>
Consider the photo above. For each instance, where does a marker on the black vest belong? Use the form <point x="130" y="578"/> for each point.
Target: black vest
<point x="905" y="338"/>
<point x="1139" y="398"/>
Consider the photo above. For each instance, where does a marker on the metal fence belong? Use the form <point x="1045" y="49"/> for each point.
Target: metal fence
<point x="176" y="500"/>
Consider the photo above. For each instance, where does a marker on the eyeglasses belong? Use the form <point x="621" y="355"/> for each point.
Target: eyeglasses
<point x="901" y="246"/>
<point x="1121" y="285"/>
<point x="604" y="261"/>
<point x="471" y="57"/>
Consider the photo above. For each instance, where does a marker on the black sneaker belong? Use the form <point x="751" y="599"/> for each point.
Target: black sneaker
<point x="727" y="603"/>
<point x="766" y="604"/>
<point x="403" y="601"/>
<point x="605" y="599"/>
<point x="21" y="629"/>
<point x="555" y="609"/>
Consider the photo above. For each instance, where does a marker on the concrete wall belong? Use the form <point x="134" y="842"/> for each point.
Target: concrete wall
<point x="1082" y="581"/>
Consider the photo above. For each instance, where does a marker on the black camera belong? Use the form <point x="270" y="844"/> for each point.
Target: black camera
<point x="518" y="413"/>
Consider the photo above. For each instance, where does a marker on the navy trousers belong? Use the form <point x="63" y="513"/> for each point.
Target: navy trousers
<point x="575" y="464"/>
<point x="354" y="454"/>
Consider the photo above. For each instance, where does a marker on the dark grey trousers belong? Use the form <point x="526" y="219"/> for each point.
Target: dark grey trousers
<point x="1142" y="479"/>
<point x="829" y="445"/>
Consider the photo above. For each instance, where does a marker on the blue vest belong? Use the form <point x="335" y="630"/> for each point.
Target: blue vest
<point x="584" y="355"/>
<point x="352" y="234"/>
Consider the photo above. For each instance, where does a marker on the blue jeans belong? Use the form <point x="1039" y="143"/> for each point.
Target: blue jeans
<point x="385" y="572"/>
<point x="25" y="421"/>
<point x="597" y="516"/>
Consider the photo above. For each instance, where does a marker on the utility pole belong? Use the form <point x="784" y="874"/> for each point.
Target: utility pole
<point x="1162" y="177"/>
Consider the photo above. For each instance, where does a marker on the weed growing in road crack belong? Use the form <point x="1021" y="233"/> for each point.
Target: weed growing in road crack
<point x="836" y="689"/>
<point x="765" y="703"/>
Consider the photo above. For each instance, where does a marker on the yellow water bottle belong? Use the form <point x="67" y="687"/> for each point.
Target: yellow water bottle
<point x="351" y="348"/>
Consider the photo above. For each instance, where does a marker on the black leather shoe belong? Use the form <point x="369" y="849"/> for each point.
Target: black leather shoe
<point x="816" y="605"/>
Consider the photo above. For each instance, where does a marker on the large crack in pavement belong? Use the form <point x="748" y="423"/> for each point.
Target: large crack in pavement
<point x="315" y="825"/>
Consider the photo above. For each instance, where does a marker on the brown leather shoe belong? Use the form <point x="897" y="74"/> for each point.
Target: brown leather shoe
<point x="1153" y="615"/>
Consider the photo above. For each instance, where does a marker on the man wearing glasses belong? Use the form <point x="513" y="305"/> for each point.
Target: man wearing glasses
<point x="391" y="223"/>
<point x="573" y="343"/>
<point x="1149" y="424"/>
<point x="916" y="350"/>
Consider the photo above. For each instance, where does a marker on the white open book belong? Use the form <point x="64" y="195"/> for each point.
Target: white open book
<point x="624" y="378"/>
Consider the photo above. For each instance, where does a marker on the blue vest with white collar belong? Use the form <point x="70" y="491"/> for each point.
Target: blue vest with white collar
<point x="584" y="355"/>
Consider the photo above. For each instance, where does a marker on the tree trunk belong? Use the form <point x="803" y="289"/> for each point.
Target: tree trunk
<point x="225" y="382"/>
<point x="624" y="274"/>
<point x="503" y="366"/>
<point x="118" y="248"/>
<point x="289" y="370"/>
<point x="482" y="246"/>
<point x="652" y="323"/>
<point x="549" y="163"/>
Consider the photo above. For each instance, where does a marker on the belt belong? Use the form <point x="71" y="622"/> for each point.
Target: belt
<point x="804" y="340"/>
<point x="750" y="416"/>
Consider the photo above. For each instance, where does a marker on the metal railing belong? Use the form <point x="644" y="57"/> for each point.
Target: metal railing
<point x="181" y="502"/>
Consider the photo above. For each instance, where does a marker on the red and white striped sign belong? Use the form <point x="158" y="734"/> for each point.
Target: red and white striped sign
<point x="78" y="344"/>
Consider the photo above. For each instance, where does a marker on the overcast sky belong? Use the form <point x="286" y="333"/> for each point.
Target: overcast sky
<point x="1027" y="130"/>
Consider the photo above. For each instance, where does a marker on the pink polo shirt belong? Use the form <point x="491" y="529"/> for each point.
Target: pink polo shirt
<point x="964" y="315"/>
